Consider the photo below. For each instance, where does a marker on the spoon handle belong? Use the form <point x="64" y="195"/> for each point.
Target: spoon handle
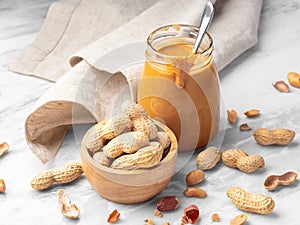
<point x="204" y="24"/>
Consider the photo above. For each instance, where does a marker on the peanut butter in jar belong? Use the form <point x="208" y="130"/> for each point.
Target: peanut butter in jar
<point x="179" y="87"/>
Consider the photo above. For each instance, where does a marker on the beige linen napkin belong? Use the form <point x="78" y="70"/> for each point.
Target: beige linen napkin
<point x="95" y="37"/>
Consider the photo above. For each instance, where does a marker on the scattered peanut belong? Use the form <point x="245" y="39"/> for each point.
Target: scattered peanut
<point x="3" y="148"/>
<point x="101" y="158"/>
<point x="2" y="186"/>
<point x="256" y="203"/>
<point x="250" y="164"/>
<point x="113" y="216"/>
<point x="294" y="79"/>
<point x="43" y="180"/>
<point x="68" y="173"/>
<point x="68" y="209"/>
<point x="282" y="86"/>
<point x="107" y="131"/>
<point x="278" y="136"/>
<point x="215" y="217"/>
<point x="194" y="177"/>
<point x="195" y="192"/>
<point x="231" y="156"/>
<point x="158" y="213"/>
<point x="286" y="179"/>
<point x="166" y="223"/>
<point x="128" y="142"/>
<point x="145" y="157"/>
<point x="167" y="203"/>
<point x="147" y="126"/>
<point x="245" y="127"/>
<point x="252" y="113"/>
<point x="239" y="220"/>
<point x="149" y="221"/>
<point x="232" y="116"/>
<point x="208" y="158"/>
<point x="192" y="214"/>
<point x="236" y="158"/>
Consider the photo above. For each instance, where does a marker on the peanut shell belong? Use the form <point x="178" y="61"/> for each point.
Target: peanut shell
<point x="101" y="158"/>
<point x="286" y="179"/>
<point x="67" y="173"/>
<point x="147" y="126"/>
<point x="208" y="158"/>
<point x="68" y="209"/>
<point x="106" y="131"/>
<point x="250" y="164"/>
<point x="278" y="136"/>
<point x="231" y="156"/>
<point x="42" y="180"/>
<point x="135" y="111"/>
<point x="145" y="157"/>
<point x="163" y="138"/>
<point x="255" y="203"/>
<point x="128" y="142"/>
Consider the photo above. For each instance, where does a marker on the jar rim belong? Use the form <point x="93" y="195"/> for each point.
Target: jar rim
<point x="166" y="27"/>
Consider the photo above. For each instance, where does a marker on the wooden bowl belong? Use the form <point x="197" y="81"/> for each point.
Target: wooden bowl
<point x="130" y="186"/>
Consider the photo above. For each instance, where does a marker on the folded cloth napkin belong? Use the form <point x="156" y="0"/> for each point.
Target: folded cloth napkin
<point x="84" y="43"/>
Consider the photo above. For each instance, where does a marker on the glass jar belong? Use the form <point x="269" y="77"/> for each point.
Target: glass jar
<point x="179" y="87"/>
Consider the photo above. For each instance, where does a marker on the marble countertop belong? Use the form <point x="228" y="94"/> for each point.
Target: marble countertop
<point x="246" y="83"/>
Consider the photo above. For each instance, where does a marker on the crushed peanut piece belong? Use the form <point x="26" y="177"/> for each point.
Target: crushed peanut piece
<point x="113" y="216"/>
<point x="239" y="220"/>
<point x="184" y="220"/>
<point x="166" y="223"/>
<point x="215" y="217"/>
<point x="3" y="148"/>
<point x="2" y="186"/>
<point x="245" y="127"/>
<point x="158" y="213"/>
<point x="149" y="221"/>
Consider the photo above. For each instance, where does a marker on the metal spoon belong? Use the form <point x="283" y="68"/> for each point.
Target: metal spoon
<point x="204" y="24"/>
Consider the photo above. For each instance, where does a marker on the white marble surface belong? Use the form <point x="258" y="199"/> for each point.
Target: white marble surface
<point x="246" y="83"/>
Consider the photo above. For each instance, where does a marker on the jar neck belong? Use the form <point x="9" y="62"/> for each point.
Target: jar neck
<point x="172" y="45"/>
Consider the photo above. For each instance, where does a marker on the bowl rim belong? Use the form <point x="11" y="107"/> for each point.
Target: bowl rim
<point x="173" y="150"/>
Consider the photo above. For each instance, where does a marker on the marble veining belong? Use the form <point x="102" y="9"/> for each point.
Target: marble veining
<point x="246" y="83"/>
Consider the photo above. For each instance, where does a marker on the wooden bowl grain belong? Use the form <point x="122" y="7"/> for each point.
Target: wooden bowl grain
<point x="130" y="186"/>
